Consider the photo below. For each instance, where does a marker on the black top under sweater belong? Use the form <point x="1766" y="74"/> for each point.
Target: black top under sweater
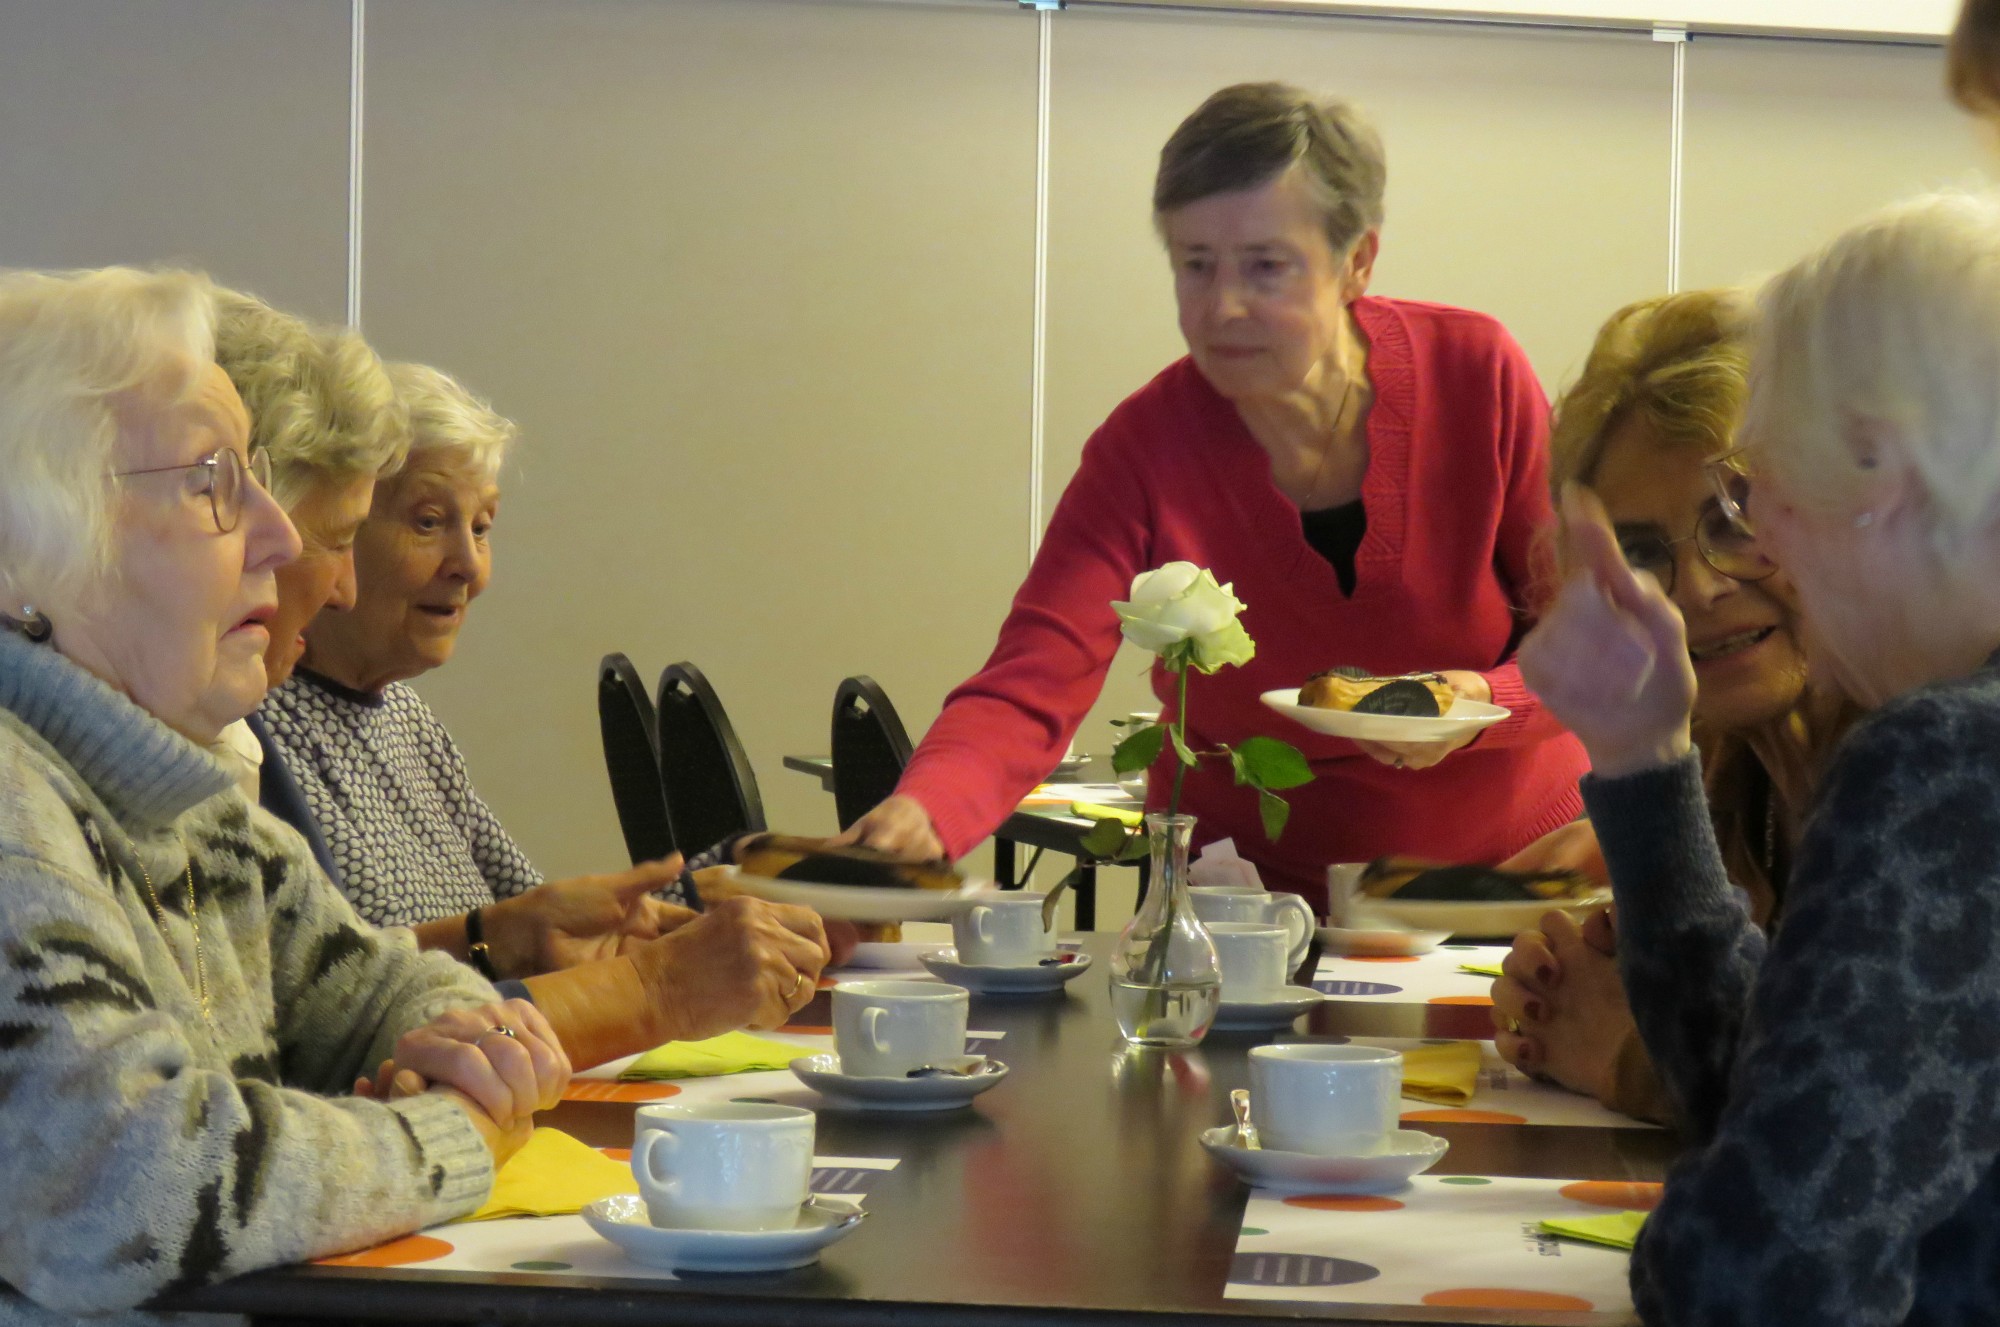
<point x="1842" y="1082"/>
<point x="1335" y="534"/>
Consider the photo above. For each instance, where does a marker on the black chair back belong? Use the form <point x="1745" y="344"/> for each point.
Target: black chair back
<point x="632" y="759"/>
<point x="711" y="789"/>
<point x="870" y="748"/>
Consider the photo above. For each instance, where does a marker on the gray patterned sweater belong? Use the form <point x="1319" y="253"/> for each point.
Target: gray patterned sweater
<point x="148" y="1147"/>
<point x="1843" y="1088"/>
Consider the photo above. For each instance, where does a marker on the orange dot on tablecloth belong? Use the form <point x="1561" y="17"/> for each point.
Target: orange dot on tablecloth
<point x="811" y="1029"/>
<point x="1382" y="958"/>
<point x="1460" y="999"/>
<point x="396" y="1253"/>
<point x="1625" y="1196"/>
<point x="1341" y="1202"/>
<point x="599" y="1089"/>
<point x="1462" y="1117"/>
<point x="1487" y="1297"/>
<point x="617" y="1153"/>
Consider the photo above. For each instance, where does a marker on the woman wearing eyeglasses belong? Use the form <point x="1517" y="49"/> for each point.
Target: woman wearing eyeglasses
<point x="1646" y="428"/>
<point x="187" y="1000"/>
<point x="1837" y="1080"/>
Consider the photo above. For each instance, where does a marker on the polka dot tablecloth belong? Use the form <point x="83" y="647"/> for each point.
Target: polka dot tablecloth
<point x="1431" y="978"/>
<point x="1453" y="1241"/>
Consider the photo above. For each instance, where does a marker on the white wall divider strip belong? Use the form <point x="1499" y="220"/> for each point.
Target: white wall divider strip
<point x="357" y="85"/>
<point x="1677" y="122"/>
<point x="1038" y="355"/>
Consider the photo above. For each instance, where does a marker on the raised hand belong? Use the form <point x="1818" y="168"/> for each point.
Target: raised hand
<point x="900" y="827"/>
<point x="565" y="922"/>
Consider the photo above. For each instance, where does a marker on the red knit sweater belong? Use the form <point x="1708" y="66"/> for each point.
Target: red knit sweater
<point x="1457" y="503"/>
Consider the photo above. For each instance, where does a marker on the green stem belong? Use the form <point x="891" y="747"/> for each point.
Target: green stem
<point x="1180" y="730"/>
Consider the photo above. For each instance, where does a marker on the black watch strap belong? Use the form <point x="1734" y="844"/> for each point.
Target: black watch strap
<point x="476" y="949"/>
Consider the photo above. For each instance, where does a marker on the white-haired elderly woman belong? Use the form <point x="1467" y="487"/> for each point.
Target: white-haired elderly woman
<point x="1370" y="475"/>
<point x="414" y="843"/>
<point x="1842" y="1080"/>
<point x="183" y="990"/>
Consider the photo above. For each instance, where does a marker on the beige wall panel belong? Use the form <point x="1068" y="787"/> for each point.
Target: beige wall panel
<point x="206" y="132"/>
<point x="1788" y="142"/>
<point x="1527" y="178"/>
<point x="756" y="280"/>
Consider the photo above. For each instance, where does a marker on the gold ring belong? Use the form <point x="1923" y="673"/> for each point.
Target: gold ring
<point x="1399" y="762"/>
<point x="1514" y="1026"/>
<point x="797" y="986"/>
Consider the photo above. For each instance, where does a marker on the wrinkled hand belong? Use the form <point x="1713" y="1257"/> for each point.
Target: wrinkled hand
<point x="1423" y="755"/>
<point x="502" y="1140"/>
<point x="566" y="922"/>
<point x="1571" y="847"/>
<point x="1564" y="994"/>
<point x="1610" y="658"/>
<point x="510" y="1078"/>
<point x="743" y="963"/>
<point x="900" y="827"/>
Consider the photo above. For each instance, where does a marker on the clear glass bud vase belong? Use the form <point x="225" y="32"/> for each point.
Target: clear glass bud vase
<point x="1165" y="981"/>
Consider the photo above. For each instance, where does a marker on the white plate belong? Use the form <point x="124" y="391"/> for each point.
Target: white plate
<point x="944" y="965"/>
<point x="1270" y="1010"/>
<point x="1381" y="942"/>
<point x="822" y="1074"/>
<point x="622" y="1220"/>
<point x="1464" y="716"/>
<point x="894" y="955"/>
<point x="1410" y="1152"/>
<point x="863" y="903"/>
<point x="1480" y="921"/>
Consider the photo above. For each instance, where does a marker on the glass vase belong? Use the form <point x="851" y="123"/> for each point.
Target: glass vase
<point x="1165" y="980"/>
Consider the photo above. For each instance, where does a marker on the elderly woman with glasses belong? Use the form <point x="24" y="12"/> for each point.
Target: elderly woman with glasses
<point x="1839" y="1078"/>
<point x="184" y="993"/>
<point x="1659" y="397"/>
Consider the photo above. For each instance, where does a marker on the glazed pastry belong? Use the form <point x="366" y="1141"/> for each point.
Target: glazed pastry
<point x="1407" y="879"/>
<point x="815" y="861"/>
<point x="1417" y="695"/>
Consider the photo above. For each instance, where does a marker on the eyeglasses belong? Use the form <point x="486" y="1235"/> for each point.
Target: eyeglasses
<point x="1722" y="535"/>
<point x="219" y="477"/>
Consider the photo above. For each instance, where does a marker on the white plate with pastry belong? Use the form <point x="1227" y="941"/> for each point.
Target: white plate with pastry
<point x="1464" y="716"/>
<point x="864" y="903"/>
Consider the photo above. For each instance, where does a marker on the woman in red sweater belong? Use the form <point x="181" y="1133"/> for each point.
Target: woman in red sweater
<point x="1369" y="473"/>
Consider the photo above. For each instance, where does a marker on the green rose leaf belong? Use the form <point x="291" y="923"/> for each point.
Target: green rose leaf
<point x="1276" y="811"/>
<point x="1135" y="848"/>
<point x="1266" y="762"/>
<point x="1139" y="750"/>
<point x="1181" y="748"/>
<point x="1105" y="839"/>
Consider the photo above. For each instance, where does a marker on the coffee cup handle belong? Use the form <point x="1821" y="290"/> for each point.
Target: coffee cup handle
<point x="642" y="1160"/>
<point x="871" y="1021"/>
<point x="1296" y="916"/>
<point x="979" y="927"/>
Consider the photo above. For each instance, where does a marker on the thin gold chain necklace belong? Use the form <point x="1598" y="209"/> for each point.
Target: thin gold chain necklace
<point x="194" y="920"/>
<point x="1326" y="452"/>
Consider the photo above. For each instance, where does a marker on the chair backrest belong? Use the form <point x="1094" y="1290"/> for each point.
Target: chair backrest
<point x="711" y="789"/>
<point x="870" y="748"/>
<point x="632" y="759"/>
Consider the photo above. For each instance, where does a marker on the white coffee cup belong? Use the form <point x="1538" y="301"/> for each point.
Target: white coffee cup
<point x="1343" y="886"/>
<point x="1003" y="931"/>
<point x="1252" y="956"/>
<point x="884" y="1029"/>
<point x="1234" y="903"/>
<point x="723" y="1165"/>
<point x="1327" y="1100"/>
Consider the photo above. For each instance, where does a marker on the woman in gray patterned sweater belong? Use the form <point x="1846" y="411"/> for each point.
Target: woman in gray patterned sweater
<point x="1842" y="1080"/>
<point x="184" y="997"/>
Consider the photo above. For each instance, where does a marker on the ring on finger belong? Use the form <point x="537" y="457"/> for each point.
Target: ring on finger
<point x="798" y="984"/>
<point x="1514" y="1026"/>
<point x="497" y="1030"/>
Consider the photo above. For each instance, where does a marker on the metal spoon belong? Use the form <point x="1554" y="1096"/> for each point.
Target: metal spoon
<point x="962" y="1066"/>
<point x="1246" y="1132"/>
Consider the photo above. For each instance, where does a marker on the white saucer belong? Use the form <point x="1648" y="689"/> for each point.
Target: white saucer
<point x="891" y="955"/>
<point x="944" y="964"/>
<point x="1469" y="920"/>
<point x="1380" y="942"/>
<point x="1273" y="1009"/>
<point x="863" y="903"/>
<point x="1464" y="716"/>
<point x="1410" y="1152"/>
<point x="622" y="1220"/>
<point x="822" y="1074"/>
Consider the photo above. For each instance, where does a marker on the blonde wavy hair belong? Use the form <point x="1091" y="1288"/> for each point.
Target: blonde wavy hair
<point x="74" y="346"/>
<point x="320" y="401"/>
<point x="1679" y="363"/>
<point x="448" y="420"/>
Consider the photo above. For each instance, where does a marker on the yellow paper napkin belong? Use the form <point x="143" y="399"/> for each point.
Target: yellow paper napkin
<point x="1620" y="1230"/>
<point x="1480" y="969"/>
<point x="1097" y="811"/>
<point x="1447" y="1074"/>
<point x="553" y="1175"/>
<point x="730" y="1053"/>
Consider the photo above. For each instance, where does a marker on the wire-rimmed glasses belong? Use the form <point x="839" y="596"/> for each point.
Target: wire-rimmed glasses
<point x="1723" y="534"/>
<point x="218" y="476"/>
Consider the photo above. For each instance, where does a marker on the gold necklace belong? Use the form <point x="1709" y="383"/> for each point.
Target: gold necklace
<point x="194" y="920"/>
<point x="1326" y="452"/>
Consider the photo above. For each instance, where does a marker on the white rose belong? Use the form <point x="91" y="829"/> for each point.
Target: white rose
<point x="1181" y="602"/>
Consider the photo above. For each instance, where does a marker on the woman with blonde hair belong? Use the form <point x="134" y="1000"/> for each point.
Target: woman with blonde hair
<point x="1660" y="394"/>
<point x="1838" y="1078"/>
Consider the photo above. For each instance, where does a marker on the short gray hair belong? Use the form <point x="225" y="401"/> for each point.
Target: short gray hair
<point x="320" y="401"/>
<point x="1249" y="134"/>
<point x="1894" y="325"/>
<point x="448" y="420"/>
<point x="72" y="344"/>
